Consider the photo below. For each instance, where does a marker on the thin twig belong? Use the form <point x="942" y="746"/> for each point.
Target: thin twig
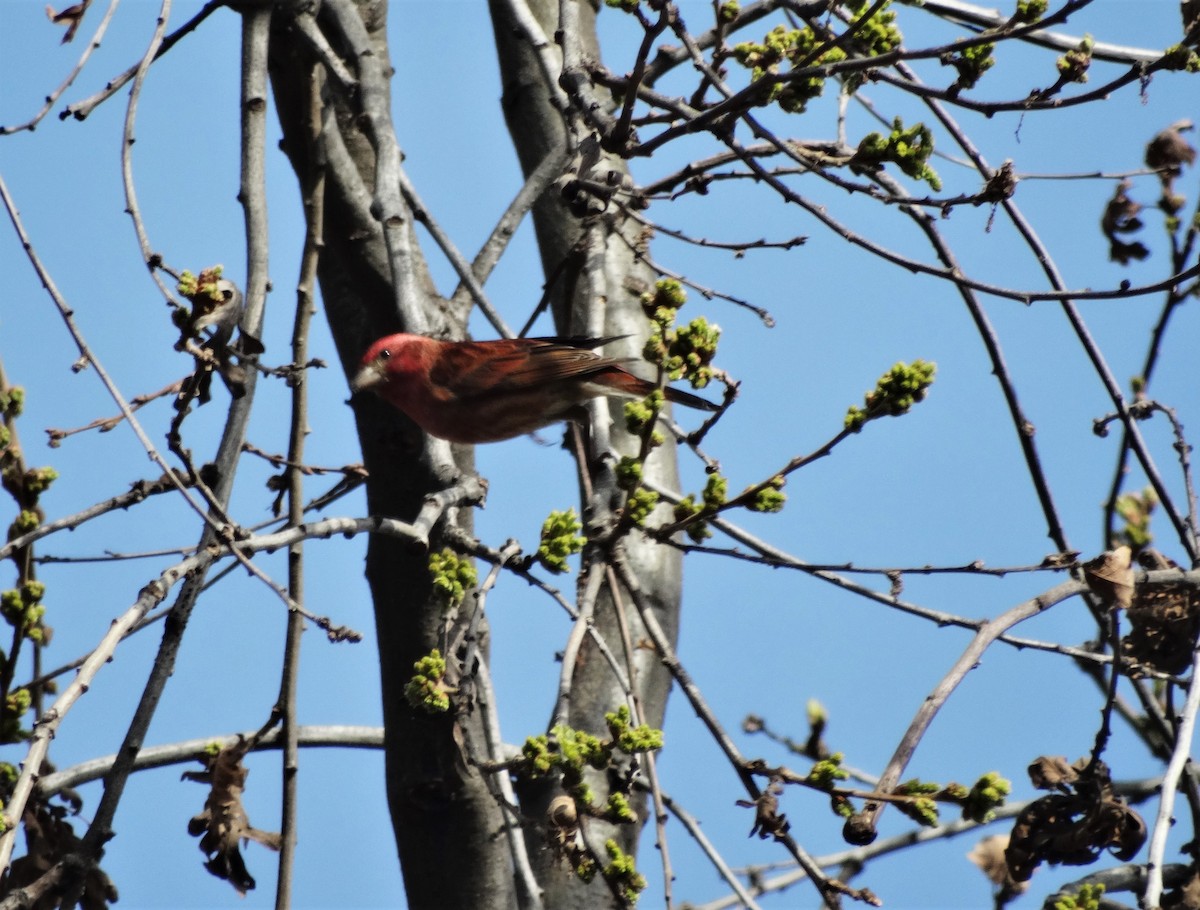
<point x="81" y="110"/>
<point x="829" y="889"/>
<point x="286" y="706"/>
<point x="334" y="736"/>
<point x="867" y="820"/>
<point x="50" y="99"/>
<point x="1180" y="756"/>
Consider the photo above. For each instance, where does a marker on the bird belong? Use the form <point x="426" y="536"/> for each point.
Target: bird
<point x="487" y="391"/>
<point x="217" y="304"/>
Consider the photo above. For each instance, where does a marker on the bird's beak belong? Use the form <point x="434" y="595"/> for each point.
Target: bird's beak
<point x="368" y="377"/>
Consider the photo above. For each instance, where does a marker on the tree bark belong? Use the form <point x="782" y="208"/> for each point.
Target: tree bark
<point x="597" y="287"/>
<point x="445" y="820"/>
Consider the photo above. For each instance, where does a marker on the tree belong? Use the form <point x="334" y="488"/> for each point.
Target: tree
<point x="693" y="118"/>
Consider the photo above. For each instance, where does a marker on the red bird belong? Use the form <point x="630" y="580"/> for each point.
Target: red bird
<point x="485" y="391"/>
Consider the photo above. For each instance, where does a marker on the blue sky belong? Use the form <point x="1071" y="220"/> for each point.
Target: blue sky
<point x="942" y="486"/>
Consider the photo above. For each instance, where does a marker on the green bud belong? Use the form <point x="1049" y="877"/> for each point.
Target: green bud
<point x="452" y="577"/>
<point x="1030" y="11"/>
<point x="621" y="872"/>
<point x="629" y="739"/>
<point x="987" y="795"/>
<point x="618" y="809"/>
<point x="578" y="748"/>
<point x="427" y="689"/>
<point x="12" y="607"/>
<point x="25" y="522"/>
<point x="38" y="479"/>
<point x="640" y="504"/>
<point x="14" y="404"/>
<point x="1180" y="57"/>
<point x="1074" y="64"/>
<point x="538" y="756"/>
<point x="769" y="499"/>
<point x="716" y="491"/>
<point x="686" y="508"/>
<point x="560" y="539"/>
<point x="629" y="472"/>
<point x="894" y="394"/>
<point x="826" y="773"/>
<point x="909" y="149"/>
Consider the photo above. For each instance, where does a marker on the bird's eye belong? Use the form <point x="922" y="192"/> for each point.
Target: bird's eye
<point x="385" y="354"/>
<point x="227" y="294"/>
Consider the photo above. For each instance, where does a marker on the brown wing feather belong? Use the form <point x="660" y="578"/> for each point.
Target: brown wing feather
<point x="471" y="369"/>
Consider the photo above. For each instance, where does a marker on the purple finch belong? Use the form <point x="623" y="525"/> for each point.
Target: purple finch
<point x="485" y="391"/>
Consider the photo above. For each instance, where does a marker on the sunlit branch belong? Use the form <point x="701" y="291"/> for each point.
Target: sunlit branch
<point x="1180" y="757"/>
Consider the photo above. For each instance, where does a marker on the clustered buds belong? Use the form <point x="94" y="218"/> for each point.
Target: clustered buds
<point x="640" y="504"/>
<point x="1030" y="11"/>
<point x="681" y="353"/>
<point x="560" y="539"/>
<point x="203" y="291"/>
<point x="825" y="773"/>
<point x="783" y="45"/>
<point x="715" y="495"/>
<point x="570" y="752"/>
<point x="452" y="577"/>
<point x="978" y="802"/>
<point x="685" y="352"/>
<point x="894" y="394"/>
<point x="809" y="52"/>
<point x="909" y="149"/>
<point x="770" y="498"/>
<point x="23" y="605"/>
<point x="22" y="608"/>
<point x="12" y="402"/>
<point x="1074" y="64"/>
<point x="427" y="689"/>
<point x="641" y="415"/>
<point x="621" y="872"/>
<point x="971" y="63"/>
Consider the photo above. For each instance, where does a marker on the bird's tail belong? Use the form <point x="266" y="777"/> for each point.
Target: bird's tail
<point x="678" y="396"/>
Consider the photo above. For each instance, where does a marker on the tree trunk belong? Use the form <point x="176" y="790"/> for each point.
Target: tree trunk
<point x="446" y="822"/>
<point x="445" y="819"/>
<point x="597" y="285"/>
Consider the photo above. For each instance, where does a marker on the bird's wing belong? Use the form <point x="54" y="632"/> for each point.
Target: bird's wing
<point x="488" y="367"/>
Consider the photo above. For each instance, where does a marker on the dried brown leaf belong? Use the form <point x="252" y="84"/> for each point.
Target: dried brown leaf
<point x="1050" y="772"/>
<point x="72" y="16"/>
<point x="1120" y="217"/>
<point x="1165" y="623"/>
<point x="1075" y="827"/>
<point x="1169" y="151"/>
<point x="1185" y="897"/>
<point x="224" y="825"/>
<point x="988" y="855"/>
<point x="49" y="838"/>
<point x="768" y="820"/>
<point x="1110" y="576"/>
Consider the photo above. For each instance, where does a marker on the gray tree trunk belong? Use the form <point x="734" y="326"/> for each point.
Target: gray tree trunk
<point x="447" y="824"/>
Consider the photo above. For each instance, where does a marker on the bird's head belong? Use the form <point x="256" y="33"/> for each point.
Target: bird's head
<point x="390" y="359"/>
<point x="220" y="307"/>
